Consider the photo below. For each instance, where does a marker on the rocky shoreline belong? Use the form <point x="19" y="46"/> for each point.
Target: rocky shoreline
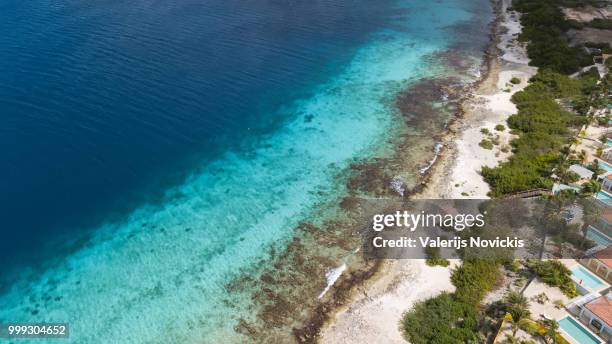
<point x="374" y="308"/>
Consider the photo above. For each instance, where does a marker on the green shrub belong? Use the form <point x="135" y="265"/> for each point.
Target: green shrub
<point x="486" y="144"/>
<point x="515" y="80"/>
<point x="591" y="187"/>
<point x="542" y="125"/>
<point x="437" y="262"/>
<point x="473" y="279"/>
<point x="603" y="120"/>
<point x="578" y="240"/>
<point x="485" y="131"/>
<point x="441" y="319"/>
<point x="451" y="318"/>
<point x="495" y="140"/>
<point x="555" y="274"/>
<point x="434" y="258"/>
<point x="544" y="26"/>
<point x="500" y="127"/>
<point x="599" y="23"/>
<point x="513" y="265"/>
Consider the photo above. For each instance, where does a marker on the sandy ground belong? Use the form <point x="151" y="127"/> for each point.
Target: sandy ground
<point x="459" y="175"/>
<point x="374" y="316"/>
<point x="587" y="13"/>
<point x="377" y="307"/>
<point x="589" y="34"/>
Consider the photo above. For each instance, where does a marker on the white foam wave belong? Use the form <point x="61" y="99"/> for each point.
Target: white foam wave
<point x="332" y="276"/>
<point x="398" y="186"/>
<point x="433" y="160"/>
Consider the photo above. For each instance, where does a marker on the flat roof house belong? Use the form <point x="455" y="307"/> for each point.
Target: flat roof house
<point x="583" y="172"/>
<point x="597" y="314"/>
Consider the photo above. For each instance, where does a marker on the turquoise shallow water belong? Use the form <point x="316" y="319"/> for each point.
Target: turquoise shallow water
<point x="160" y="275"/>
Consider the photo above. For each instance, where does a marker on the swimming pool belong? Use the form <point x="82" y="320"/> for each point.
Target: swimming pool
<point x="586" y="279"/>
<point x="604" y="165"/>
<point x="603" y="196"/>
<point x="578" y="332"/>
<point x="598" y="237"/>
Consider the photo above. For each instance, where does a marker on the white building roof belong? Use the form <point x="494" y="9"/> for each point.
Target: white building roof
<point x="583" y="172"/>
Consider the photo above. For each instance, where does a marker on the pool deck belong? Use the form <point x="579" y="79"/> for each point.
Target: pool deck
<point x="548" y="308"/>
<point x="571" y="339"/>
<point x="583" y="289"/>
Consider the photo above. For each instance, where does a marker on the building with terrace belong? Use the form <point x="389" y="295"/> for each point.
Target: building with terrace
<point x="600" y="262"/>
<point x="595" y="311"/>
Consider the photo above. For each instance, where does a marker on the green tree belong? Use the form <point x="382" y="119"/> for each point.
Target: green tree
<point x="582" y="156"/>
<point x="551" y="333"/>
<point x="555" y="274"/>
<point x="591" y="187"/>
<point x="515" y="299"/>
<point x="440" y="320"/>
<point x="520" y="316"/>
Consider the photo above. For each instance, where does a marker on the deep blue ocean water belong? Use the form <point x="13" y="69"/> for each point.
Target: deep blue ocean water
<point x="105" y="103"/>
<point x="150" y="150"/>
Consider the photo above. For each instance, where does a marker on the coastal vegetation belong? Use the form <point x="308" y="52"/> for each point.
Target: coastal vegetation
<point x="550" y="105"/>
<point x="552" y="109"/>
<point x="453" y="318"/>
<point x="546" y="330"/>
<point x="486" y="144"/>
<point x="473" y="279"/>
<point x="544" y="27"/>
<point x="543" y="127"/>
<point x="600" y="23"/>
<point x="434" y="258"/>
<point x="441" y="319"/>
<point x="555" y="274"/>
<point x="517" y="306"/>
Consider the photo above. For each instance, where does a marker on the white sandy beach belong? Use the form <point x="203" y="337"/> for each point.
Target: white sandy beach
<point x="375" y="313"/>
<point x="458" y="176"/>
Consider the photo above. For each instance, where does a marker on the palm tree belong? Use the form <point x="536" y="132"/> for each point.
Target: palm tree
<point x="550" y="336"/>
<point x="518" y="307"/>
<point x="591" y="187"/>
<point x="514" y="298"/>
<point x="520" y="316"/>
<point x="582" y="156"/>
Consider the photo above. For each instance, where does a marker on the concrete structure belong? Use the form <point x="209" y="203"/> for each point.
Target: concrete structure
<point x="600" y="263"/>
<point x="595" y="311"/>
<point x="604" y="223"/>
<point x="557" y="187"/>
<point x="583" y="172"/>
